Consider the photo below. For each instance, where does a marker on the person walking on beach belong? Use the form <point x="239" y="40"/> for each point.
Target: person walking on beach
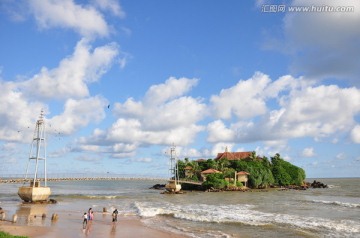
<point x="85" y="216"/>
<point x="90" y="214"/>
<point x="114" y="215"/>
<point x="2" y="214"/>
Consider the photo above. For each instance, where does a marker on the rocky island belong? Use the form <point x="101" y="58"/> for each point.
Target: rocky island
<point x="241" y="171"/>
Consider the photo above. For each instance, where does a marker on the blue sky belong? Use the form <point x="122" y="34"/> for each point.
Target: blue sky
<point x="203" y="75"/>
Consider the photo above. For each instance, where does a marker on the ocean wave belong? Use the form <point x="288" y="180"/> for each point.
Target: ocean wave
<point x="333" y="186"/>
<point x="342" y="204"/>
<point x="245" y="214"/>
<point x="89" y="196"/>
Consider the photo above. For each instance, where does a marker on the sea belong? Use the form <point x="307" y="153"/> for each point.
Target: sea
<point x="321" y="212"/>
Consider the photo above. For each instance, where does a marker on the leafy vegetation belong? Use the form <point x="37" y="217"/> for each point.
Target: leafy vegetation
<point x="285" y="173"/>
<point x="260" y="172"/>
<point x="215" y="180"/>
<point x="263" y="173"/>
<point x="7" y="235"/>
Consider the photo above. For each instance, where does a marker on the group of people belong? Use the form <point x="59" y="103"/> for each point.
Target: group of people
<point x="88" y="216"/>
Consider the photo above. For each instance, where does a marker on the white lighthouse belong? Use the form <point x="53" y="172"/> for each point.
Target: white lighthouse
<point x="173" y="185"/>
<point x="34" y="192"/>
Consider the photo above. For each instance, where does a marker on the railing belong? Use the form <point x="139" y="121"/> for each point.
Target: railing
<point x="187" y="181"/>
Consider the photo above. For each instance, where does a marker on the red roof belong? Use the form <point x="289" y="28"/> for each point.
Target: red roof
<point x="243" y="173"/>
<point x="233" y="155"/>
<point x="200" y="160"/>
<point x="210" y="171"/>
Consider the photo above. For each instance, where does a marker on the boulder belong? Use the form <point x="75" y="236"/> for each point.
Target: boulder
<point x="317" y="184"/>
<point x="158" y="186"/>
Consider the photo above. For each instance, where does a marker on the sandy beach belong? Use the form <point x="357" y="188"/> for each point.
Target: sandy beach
<point x="70" y="225"/>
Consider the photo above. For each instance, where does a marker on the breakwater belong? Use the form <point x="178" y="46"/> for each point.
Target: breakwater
<point x="22" y="180"/>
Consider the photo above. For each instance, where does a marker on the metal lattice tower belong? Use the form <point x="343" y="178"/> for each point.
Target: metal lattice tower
<point x="38" y="148"/>
<point x="174" y="172"/>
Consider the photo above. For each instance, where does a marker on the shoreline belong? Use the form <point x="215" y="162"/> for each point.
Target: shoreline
<point x="70" y="225"/>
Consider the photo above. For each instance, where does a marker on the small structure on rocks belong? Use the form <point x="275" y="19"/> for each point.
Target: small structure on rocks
<point x="243" y="177"/>
<point x="173" y="185"/>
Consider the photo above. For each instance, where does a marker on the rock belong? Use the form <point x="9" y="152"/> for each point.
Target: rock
<point x="53" y="201"/>
<point x="317" y="184"/>
<point x="158" y="186"/>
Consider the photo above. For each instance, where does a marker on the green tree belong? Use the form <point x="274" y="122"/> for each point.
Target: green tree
<point x="196" y="170"/>
<point x="260" y="173"/>
<point x="281" y="177"/>
<point x="181" y="168"/>
<point x="229" y="173"/>
<point x="286" y="173"/>
<point x="215" y="180"/>
<point x="253" y="155"/>
<point x="221" y="164"/>
<point x="208" y="164"/>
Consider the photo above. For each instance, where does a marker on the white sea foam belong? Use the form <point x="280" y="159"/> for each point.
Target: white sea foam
<point x="165" y="224"/>
<point x="337" y="203"/>
<point x="244" y="214"/>
<point x="101" y="196"/>
<point x="333" y="186"/>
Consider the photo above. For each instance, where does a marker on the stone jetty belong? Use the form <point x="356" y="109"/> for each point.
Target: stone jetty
<point x="21" y="180"/>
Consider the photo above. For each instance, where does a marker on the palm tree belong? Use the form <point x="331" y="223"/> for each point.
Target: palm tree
<point x="196" y="170"/>
<point x="253" y="155"/>
<point x="222" y="164"/>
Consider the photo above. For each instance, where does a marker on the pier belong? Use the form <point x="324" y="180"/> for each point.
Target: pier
<point x="187" y="181"/>
<point x="84" y="177"/>
<point x="77" y="177"/>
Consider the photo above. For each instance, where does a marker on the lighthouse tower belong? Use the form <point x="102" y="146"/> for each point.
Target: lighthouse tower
<point x="173" y="185"/>
<point x="35" y="192"/>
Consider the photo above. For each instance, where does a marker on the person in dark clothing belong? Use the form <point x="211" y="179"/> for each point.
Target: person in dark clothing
<point x="85" y="216"/>
<point x="114" y="215"/>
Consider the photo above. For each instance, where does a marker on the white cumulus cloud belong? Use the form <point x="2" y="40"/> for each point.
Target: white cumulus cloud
<point x="301" y="110"/>
<point x="355" y="134"/>
<point x="17" y="113"/>
<point x="79" y="113"/>
<point x="218" y="132"/>
<point x="164" y="116"/>
<point x="244" y="100"/>
<point x="71" y="77"/>
<point x="111" y="5"/>
<point x="308" y="152"/>
<point x="84" y="19"/>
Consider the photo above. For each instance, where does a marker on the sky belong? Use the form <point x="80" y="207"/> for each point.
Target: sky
<point x="121" y="81"/>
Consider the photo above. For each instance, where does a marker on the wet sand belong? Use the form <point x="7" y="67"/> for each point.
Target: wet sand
<point x="70" y="225"/>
